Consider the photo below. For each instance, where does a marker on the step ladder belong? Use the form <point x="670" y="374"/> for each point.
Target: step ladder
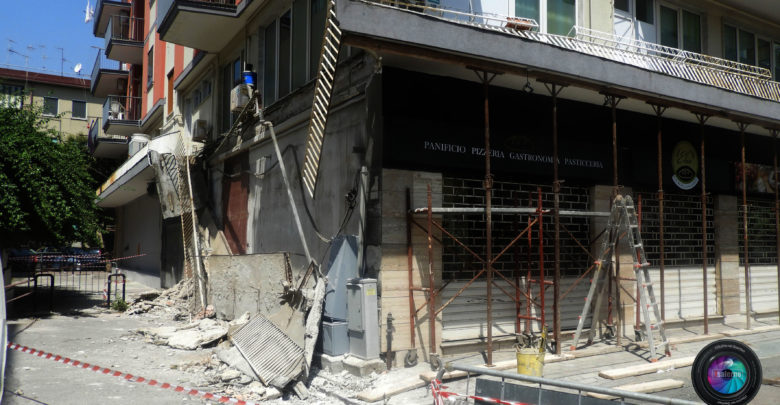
<point x="323" y="90"/>
<point x="623" y="218"/>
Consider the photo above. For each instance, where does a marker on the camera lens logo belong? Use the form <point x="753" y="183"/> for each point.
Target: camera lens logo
<point x="727" y="375"/>
<point x="726" y="372"/>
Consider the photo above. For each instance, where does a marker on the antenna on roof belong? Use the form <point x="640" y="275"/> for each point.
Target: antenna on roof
<point x="62" y="61"/>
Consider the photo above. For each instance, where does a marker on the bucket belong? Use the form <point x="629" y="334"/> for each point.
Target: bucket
<point x="249" y="77"/>
<point x="530" y="362"/>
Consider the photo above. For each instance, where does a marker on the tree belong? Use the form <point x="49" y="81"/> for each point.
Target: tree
<point x="47" y="194"/>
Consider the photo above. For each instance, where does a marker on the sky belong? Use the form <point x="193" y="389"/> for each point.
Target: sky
<point x="39" y="27"/>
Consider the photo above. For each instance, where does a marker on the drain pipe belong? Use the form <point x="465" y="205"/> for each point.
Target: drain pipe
<point x="293" y="207"/>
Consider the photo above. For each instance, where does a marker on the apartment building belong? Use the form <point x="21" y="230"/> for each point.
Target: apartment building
<point x="66" y="101"/>
<point x="657" y="99"/>
<point x="133" y="74"/>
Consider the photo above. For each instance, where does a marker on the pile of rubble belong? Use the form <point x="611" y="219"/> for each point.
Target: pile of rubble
<point x="230" y="365"/>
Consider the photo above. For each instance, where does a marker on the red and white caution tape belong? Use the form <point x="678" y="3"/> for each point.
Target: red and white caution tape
<point x="129" y="377"/>
<point x="439" y="396"/>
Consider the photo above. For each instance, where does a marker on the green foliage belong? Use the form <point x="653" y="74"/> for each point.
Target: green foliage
<point x="47" y="194"/>
<point x="119" y="305"/>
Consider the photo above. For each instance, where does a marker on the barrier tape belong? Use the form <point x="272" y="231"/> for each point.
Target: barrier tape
<point x="129" y="377"/>
<point x="439" y="396"/>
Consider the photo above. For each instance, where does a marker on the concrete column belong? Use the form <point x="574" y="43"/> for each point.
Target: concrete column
<point x="726" y="254"/>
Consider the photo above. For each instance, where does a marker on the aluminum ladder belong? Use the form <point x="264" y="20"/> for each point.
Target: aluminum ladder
<point x="323" y="90"/>
<point x="623" y="216"/>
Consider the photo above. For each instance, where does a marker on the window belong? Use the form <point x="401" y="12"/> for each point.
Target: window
<point x="553" y="16"/>
<point x="744" y="46"/>
<point x="79" y="109"/>
<point x="150" y="67"/>
<point x="231" y="76"/>
<point x="644" y="11"/>
<point x="170" y="92"/>
<point x="300" y="33"/>
<point x="680" y="29"/>
<point x="284" y="53"/>
<point x="50" y="106"/>
<point x="269" y="70"/>
<point x="316" y="34"/>
<point x="11" y="96"/>
<point x="777" y="61"/>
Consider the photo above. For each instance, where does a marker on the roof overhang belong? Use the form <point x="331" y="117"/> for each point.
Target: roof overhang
<point x="107" y="82"/>
<point x="109" y="147"/>
<point x="131" y="180"/>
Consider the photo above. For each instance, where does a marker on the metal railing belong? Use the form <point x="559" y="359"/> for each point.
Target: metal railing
<point x="103" y="63"/>
<point x="581" y="389"/>
<point x="121" y="108"/>
<point x="124" y="28"/>
<point x="708" y="70"/>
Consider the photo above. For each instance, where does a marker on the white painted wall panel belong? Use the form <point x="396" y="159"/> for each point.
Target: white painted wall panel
<point x="763" y="288"/>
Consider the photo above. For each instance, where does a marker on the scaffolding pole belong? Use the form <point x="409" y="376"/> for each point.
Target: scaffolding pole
<point x="659" y="112"/>
<point x="702" y="118"/>
<point x="555" y="89"/>
<point x="612" y="101"/>
<point x="742" y="126"/>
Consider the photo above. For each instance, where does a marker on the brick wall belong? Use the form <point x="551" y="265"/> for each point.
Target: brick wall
<point x="762" y="243"/>
<point x="458" y="264"/>
<point x="682" y="229"/>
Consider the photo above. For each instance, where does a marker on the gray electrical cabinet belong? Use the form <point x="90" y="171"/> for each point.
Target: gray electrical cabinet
<point x="335" y="341"/>
<point x="362" y="321"/>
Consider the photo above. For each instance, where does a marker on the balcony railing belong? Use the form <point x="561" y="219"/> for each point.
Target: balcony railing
<point x="704" y="69"/>
<point x="124" y="28"/>
<point x="103" y="63"/>
<point x="121" y="108"/>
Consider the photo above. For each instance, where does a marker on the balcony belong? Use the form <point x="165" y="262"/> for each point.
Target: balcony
<point x="108" y="76"/>
<point x="103" y="12"/>
<point x="125" y="39"/>
<point x="597" y="62"/>
<point x="122" y="115"/>
<point x="181" y="21"/>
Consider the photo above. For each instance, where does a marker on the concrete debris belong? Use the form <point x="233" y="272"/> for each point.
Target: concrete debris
<point x="188" y="337"/>
<point x="230" y="355"/>
<point x="230" y="375"/>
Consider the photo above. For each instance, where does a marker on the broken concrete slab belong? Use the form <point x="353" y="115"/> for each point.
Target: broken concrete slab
<point x="232" y="357"/>
<point x="246" y="283"/>
<point x="185" y="340"/>
<point x="230" y="375"/>
<point x="333" y="364"/>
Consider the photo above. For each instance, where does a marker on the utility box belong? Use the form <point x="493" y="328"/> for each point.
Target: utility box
<point x="335" y="341"/>
<point x="362" y="320"/>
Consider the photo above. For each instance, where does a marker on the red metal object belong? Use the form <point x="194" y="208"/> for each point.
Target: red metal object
<point x="431" y="286"/>
<point x="540" y="213"/>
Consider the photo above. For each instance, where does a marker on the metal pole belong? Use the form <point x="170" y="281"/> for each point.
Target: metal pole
<point x="410" y="265"/>
<point x="613" y="102"/>
<point x="703" y="120"/>
<point x="742" y="127"/>
<point x="659" y="111"/>
<point x="362" y="197"/>
<point x="636" y="281"/>
<point x="541" y="257"/>
<point x="528" y="291"/>
<point x="554" y="90"/>
<point x="488" y="184"/>
<point x="431" y="287"/>
<point x="517" y="272"/>
<point x="777" y="219"/>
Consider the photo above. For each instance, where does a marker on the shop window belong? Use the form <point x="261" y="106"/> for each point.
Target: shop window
<point x="316" y="34"/>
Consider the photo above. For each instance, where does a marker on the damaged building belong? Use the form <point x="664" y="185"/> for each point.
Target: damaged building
<point x="461" y="154"/>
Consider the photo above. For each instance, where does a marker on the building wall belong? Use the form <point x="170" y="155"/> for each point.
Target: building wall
<point x="65" y="123"/>
<point x="139" y="232"/>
